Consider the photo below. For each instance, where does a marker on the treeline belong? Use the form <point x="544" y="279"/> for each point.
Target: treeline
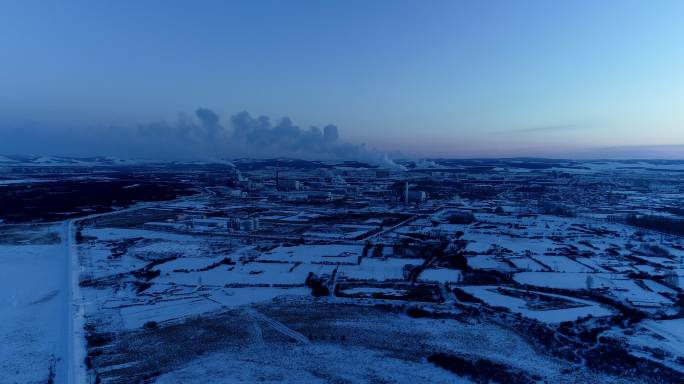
<point x="481" y="370"/>
<point x="658" y="223"/>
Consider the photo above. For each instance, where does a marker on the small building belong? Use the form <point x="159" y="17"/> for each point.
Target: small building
<point x="208" y="223"/>
<point x="289" y="185"/>
<point x="237" y="193"/>
<point x="237" y="224"/>
<point x="415" y="197"/>
<point x="382" y="173"/>
<point x="319" y="196"/>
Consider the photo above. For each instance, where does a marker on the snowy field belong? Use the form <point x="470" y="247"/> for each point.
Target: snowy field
<point x="32" y="290"/>
<point x="532" y="272"/>
<point x="575" y="308"/>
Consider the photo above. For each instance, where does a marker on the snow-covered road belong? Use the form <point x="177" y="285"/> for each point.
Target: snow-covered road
<point x="71" y="368"/>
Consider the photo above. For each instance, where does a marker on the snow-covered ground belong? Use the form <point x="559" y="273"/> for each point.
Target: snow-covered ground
<point x="576" y="308"/>
<point x="350" y="291"/>
<point x="32" y="296"/>
<point x="319" y="364"/>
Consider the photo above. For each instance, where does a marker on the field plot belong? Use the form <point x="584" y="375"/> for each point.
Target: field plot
<point x="340" y="342"/>
<point x="321" y="254"/>
<point x="441" y="275"/>
<point x="378" y="269"/>
<point x="547" y="308"/>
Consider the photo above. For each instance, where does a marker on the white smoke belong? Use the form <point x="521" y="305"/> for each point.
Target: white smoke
<point x="258" y="137"/>
<point x="200" y="136"/>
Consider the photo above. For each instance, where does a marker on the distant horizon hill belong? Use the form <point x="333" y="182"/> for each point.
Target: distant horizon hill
<point x="436" y="164"/>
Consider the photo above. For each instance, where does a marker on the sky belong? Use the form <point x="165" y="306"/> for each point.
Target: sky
<point x="460" y="78"/>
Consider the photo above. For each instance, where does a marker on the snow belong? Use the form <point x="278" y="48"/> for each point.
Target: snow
<point x="378" y="269"/>
<point x="332" y="253"/>
<point x="657" y="287"/>
<point x="31" y="293"/>
<point x="666" y="335"/>
<point x="75" y="337"/>
<point x="671" y="330"/>
<point x="248" y="274"/>
<point x="618" y="285"/>
<point x="441" y="275"/>
<point x="563" y="280"/>
<point x="316" y="363"/>
<point x="5" y="159"/>
<point x="24" y="181"/>
<point x="563" y="264"/>
<point x="487" y="262"/>
<point x="526" y="263"/>
<point x="490" y="295"/>
<point x="135" y="316"/>
<point x="121" y="233"/>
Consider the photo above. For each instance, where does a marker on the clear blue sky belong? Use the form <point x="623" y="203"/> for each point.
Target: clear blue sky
<point x="432" y="78"/>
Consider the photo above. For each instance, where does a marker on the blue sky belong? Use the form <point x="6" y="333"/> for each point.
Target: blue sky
<point x="427" y="78"/>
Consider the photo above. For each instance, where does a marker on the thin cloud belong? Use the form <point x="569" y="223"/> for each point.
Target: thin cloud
<point x="546" y="129"/>
<point x="664" y="151"/>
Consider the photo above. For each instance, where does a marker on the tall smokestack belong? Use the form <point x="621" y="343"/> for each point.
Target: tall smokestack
<point x="277" y="181"/>
<point x="406" y="201"/>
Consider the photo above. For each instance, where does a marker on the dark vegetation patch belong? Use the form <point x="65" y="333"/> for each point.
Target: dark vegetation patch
<point x="71" y="198"/>
<point x="658" y="223"/>
<point x="118" y="248"/>
<point x="581" y="341"/>
<point x="679" y="211"/>
<point x="466" y="297"/>
<point x="481" y="370"/>
<point x="318" y="285"/>
<point x="138" y="356"/>
<point x="461" y="218"/>
<point x="147" y="273"/>
<point x="486" y="277"/>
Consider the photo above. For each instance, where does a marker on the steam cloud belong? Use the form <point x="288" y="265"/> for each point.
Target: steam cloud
<point x="201" y="136"/>
<point x="248" y="136"/>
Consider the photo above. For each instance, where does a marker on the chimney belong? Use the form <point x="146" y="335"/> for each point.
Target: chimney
<point x="406" y="199"/>
<point x="276" y="180"/>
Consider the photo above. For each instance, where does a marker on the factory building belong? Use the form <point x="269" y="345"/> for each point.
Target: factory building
<point x="414" y="196"/>
<point x="319" y="196"/>
<point x="208" y="223"/>
<point x="237" y="224"/>
<point x="289" y="185"/>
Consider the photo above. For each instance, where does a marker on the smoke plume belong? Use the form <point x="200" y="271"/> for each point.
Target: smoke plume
<point x="200" y="136"/>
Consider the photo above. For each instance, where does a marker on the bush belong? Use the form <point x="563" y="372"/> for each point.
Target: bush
<point x="465" y="297"/>
<point x="659" y="223"/>
<point x="151" y="325"/>
<point x="481" y="370"/>
<point x="486" y="277"/>
<point x="318" y="287"/>
<point x="461" y="218"/>
<point x="417" y="313"/>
